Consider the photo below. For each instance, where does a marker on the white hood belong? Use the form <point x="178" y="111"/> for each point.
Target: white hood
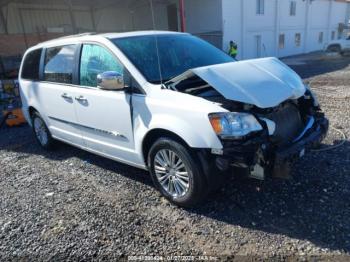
<point x="265" y="82"/>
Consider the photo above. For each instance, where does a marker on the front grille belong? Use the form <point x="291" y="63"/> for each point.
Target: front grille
<point x="288" y="124"/>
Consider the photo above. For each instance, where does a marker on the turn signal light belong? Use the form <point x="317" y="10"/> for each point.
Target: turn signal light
<point x="216" y="124"/>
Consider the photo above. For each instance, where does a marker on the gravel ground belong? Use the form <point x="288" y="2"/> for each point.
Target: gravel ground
<point x="72" y="204"/>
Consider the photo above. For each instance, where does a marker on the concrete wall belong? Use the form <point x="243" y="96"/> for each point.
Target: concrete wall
<point x="339" y="11"/>
<point x="129" y="18"/>
<point x="290" y="26"/>
<point x="204" y="19"/>
<point x="233" y="24"/>
<point x="203" y="16"/>
<point x="242" y="25"/>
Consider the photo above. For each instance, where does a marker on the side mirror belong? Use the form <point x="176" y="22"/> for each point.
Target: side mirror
<point x="110" y="81"/>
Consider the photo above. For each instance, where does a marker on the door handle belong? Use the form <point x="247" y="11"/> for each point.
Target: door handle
<point x="66" y="96"/>
<point x="81" y="99"/>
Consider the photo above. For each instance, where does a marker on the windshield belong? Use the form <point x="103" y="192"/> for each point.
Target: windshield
<point x="177" y="54"/>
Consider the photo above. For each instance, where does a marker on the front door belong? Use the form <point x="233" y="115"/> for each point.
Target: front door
<point x="104" y="116"/>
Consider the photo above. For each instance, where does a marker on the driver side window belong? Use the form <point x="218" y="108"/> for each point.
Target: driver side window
<point x="96" y="60"/>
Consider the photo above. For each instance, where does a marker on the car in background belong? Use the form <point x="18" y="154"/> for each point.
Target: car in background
<point x="172" y="104"/>
<point x="340" y="46"/>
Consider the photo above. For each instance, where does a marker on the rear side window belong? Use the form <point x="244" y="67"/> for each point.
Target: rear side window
<point x="31" y="65"/>
<point x="59" y="64"/>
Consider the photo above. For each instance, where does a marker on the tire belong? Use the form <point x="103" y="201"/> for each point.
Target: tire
<point x="176" y="173"/>
<point x="334" y="48"/>
<point x="41" y="132"/>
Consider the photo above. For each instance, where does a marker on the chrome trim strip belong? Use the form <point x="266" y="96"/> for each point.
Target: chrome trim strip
<point x="111" y="133"/>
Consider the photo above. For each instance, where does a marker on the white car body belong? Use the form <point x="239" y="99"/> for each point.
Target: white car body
<point x="156" y="110"/>
<point x="118" y="124"/>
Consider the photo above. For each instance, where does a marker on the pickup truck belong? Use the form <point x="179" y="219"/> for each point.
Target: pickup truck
<point x="340" y="46"/>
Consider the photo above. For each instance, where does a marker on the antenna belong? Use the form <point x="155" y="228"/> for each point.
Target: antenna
<point x="157" y="49"/>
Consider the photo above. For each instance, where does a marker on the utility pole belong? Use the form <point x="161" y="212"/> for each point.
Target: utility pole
<point x="182" y="15"/>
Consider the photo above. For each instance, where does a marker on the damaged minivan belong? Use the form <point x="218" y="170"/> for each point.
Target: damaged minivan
<point x="172" y="104"/>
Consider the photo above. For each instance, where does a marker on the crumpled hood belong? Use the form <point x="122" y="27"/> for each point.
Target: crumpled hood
<point x="265" y="82"/>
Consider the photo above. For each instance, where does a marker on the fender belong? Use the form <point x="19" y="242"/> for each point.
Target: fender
<point x="196" y="135"/>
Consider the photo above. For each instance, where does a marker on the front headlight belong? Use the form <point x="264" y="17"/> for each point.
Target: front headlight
<point x="234" y="125"/>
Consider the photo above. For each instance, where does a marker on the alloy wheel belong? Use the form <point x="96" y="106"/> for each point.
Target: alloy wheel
<point x="172" y="173"/>
<point x="40" y="131"/>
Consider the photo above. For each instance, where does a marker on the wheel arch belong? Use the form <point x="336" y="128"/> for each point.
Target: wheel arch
<point x="32" y="110"/>
<point x="154" y="134"/>
<point x="331" y="47"/>
<point x="194" y="133"/>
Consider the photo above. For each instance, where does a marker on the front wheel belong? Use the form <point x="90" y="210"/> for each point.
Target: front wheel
<point x="176" y="173"/>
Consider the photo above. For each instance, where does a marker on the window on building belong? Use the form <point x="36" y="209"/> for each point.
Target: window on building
<point x="59" y="64"/>
<point x="260" y="7"/>
<point x="320" y="37"/>
<point x="293" y="8"/>
<point x="96" y="60"/>
<point x="333" y="35"/>
<point x="281" y="41"/>
<point x="297" y="39"/>
<point x="31" y="65"/>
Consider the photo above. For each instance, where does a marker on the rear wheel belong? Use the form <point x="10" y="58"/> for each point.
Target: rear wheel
<point x="335" y="48"/>
<point x="42" y="133"/>
<point x="176" y="173"/>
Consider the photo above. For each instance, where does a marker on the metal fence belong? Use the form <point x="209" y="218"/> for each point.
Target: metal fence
<point x="215" y="38"/>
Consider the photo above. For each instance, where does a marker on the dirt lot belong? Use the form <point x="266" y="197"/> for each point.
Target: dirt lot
<point x="72" y="204"/>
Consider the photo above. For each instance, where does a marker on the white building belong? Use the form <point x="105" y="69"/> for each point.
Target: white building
<point x="268" y="27"/>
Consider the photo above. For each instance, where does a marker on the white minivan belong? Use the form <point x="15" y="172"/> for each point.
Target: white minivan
<point x="172" y="104"/>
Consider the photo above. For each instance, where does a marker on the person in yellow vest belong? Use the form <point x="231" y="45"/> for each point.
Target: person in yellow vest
<point x="233" y="50"/>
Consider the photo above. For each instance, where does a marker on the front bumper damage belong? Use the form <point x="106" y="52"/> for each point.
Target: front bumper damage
<point x="258" y="157"/>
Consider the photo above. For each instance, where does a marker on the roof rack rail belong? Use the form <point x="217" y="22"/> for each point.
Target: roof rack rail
<point x="70" y="36"/>
<point x="77" y="35"/>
